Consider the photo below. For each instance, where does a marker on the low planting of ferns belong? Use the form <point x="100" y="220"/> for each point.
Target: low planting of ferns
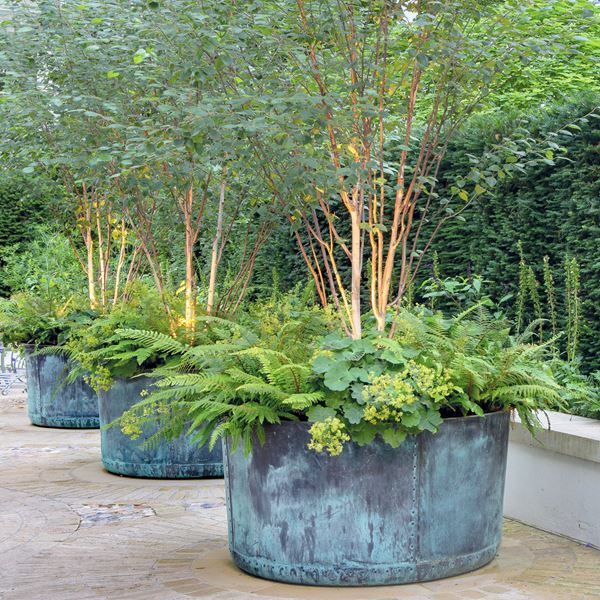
<point x="431" y="368"/>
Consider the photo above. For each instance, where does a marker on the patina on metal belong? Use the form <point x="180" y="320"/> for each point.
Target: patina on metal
<point x="168" y="459"/>
<point x="374" y="515"/>
<point x="52" y="402"/>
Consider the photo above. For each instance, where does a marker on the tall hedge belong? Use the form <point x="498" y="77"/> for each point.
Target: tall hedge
<point x="553" y="210"/>
<point x="24" y="203"/>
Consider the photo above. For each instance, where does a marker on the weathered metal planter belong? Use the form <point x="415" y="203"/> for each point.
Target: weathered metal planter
<point x="53" y="403"/>
<point x="374" y="515"/>
<point x="169" y="459"/>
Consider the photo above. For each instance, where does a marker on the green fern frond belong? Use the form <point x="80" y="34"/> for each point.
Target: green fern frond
<point x="265" y="390"/>
<point x="291" y="378"/>
<point x="158" y="342"/>
<point x="304" y="400"/>
<point x="525" y="392"/>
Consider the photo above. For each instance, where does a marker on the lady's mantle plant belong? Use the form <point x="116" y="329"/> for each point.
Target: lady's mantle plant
<point x="432" y="369"/>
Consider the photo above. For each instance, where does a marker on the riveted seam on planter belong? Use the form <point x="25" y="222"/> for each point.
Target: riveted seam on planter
<point x="414" y="511"/>
<point x="228" y="494"/>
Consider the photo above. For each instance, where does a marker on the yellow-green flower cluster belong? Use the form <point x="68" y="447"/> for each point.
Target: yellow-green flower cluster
<point x="436" y="384"/>
<point x="387" y="396"/>
<point x="132" y="421"/>
<point x="328" y="436"/>
<point x="131" y="425"/>
<point x="100" y="378"/>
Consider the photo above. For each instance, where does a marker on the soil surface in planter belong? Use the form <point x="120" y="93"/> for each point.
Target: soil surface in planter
<point x="374" y="515"/>
<point x="53" y="403"/>
<point x="164" y="459"/>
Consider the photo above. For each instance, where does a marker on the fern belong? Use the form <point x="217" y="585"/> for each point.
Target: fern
<point x="233" y="381"/>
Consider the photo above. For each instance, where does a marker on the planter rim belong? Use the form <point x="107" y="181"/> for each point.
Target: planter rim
<point x="493" y="413"/>
<point x="121" y="379"/>
<point x="28" y="347"/>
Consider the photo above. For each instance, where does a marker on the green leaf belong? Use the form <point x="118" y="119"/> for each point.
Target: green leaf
<point x="357" y="390"/>
<point x="353" y="413"/>
<point x="411" y="420"/>
<point x="358" y="373"/>
<point x="392" y="357"/>
<point x="322" y="363"/>
<point x="338" y="377"/>
<point x="364" y="433"/>
<point x="335" y="341"/>
<point x="431" y="420"/>
<point x="139" y="56"/>
<point x="393" y="437"/>
<point x="320" y="413"/>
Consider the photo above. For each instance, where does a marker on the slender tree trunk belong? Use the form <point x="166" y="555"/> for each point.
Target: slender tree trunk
<point x="89" y="247"/>
<point x="214" y="259"/>
<point x="121" y="261"/>
<point x="190" y="272"/>
<point x="101" y="265"/>
<point x="90" y="270"/>
<point x="356" y="274"/>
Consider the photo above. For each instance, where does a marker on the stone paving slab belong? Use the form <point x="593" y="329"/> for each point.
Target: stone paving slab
<point x="71" y="531"/>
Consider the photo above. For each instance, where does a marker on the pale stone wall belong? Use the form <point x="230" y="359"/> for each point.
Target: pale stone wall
<point x="553" y="482"/>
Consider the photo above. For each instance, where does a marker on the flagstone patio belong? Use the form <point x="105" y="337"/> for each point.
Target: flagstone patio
<point x="71" y="531"/>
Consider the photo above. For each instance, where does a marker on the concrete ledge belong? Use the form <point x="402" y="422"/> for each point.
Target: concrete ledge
<point x="553" y="480"/>
<point x="568" y="434"/>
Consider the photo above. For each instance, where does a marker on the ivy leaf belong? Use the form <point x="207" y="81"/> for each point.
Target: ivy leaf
<point x="353" y="413"/>
<point x="393" y="437"/>
<point x="319" y="413"/>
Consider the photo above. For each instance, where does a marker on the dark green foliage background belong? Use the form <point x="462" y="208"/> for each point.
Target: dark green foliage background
<point x="24" y="203"/>
<point x="554" y="210"/>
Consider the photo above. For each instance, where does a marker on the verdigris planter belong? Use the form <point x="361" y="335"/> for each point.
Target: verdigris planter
<point x="53" y="403"/>
<point x="373" y="515"/>
<point x="168" y="459"/>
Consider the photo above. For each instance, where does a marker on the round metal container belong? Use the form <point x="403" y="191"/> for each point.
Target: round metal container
<point x="51" y="402"/>
<point x="374" y="515"/>
<point x="167" y="459"/>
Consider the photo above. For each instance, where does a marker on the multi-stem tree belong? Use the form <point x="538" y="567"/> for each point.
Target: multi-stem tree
<point x="377" y="90"/>
<point x="123" y="101"/>
<point x="54" y="103"/>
